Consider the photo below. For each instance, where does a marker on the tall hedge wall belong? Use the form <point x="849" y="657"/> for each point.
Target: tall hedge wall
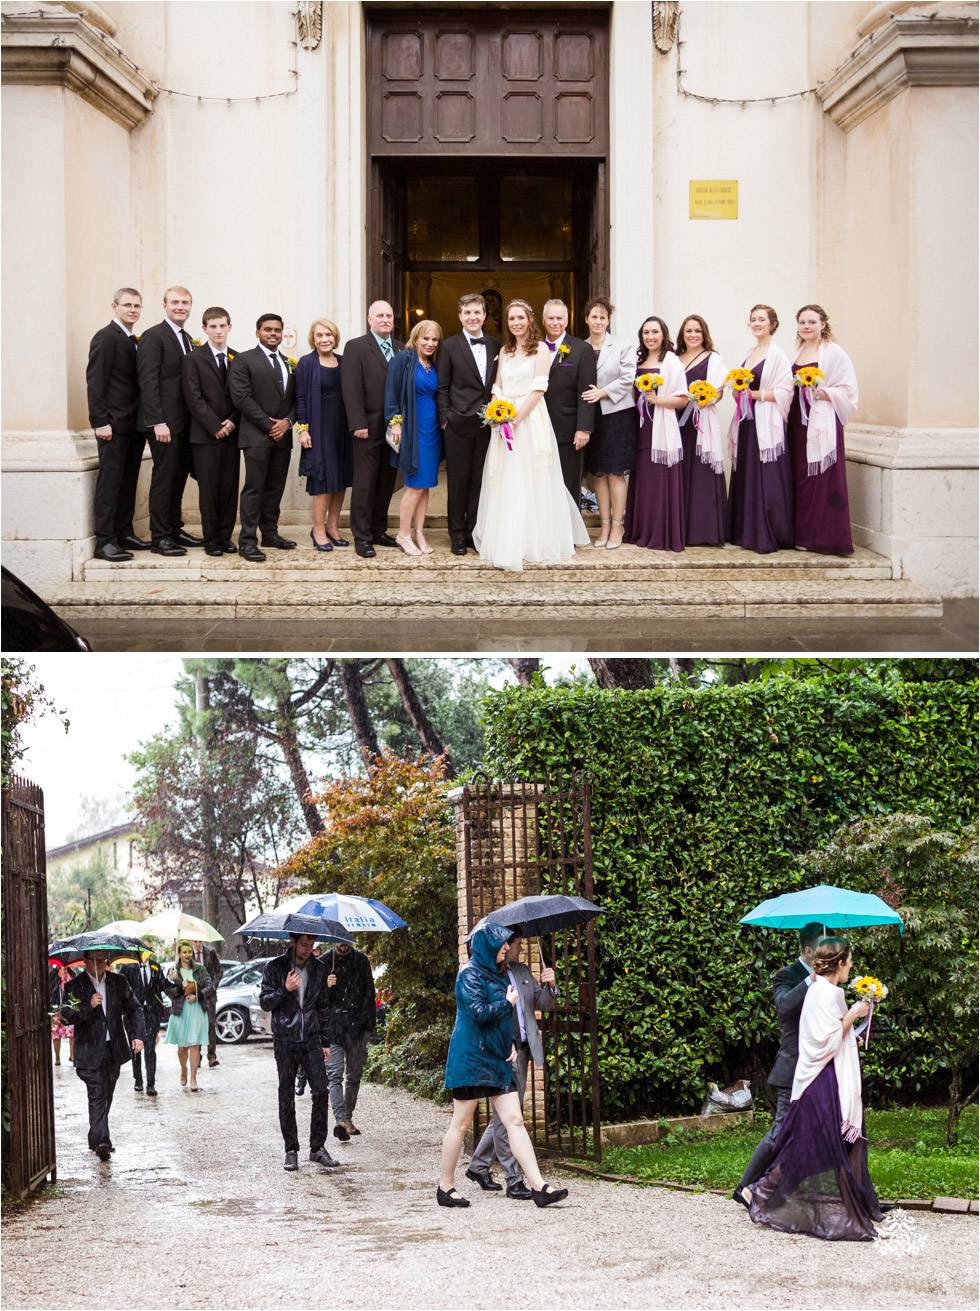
<point x="702" y="801"/>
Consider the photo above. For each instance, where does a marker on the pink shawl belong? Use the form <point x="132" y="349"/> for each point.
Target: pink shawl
<point x="840" y="381"/>
<point x="665" y="441"/>
<point x="770" y="416"/>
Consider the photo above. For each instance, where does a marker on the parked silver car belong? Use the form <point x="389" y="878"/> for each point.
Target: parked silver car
<point x="234" y="1001"/>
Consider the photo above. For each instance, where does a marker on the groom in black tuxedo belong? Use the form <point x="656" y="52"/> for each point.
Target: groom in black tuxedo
<point x="573" y="369"/>
<point x="466" y="367"/>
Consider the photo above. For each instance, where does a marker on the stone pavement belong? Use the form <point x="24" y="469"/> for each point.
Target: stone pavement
<point x="194" y="1210"/>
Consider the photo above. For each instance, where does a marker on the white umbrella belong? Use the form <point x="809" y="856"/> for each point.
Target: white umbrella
<point x="169" y="924"/>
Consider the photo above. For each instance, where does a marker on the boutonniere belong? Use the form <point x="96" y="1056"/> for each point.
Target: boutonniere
<point x="563" y="350"/>
<point x="290" y="364"/>
<point x="195" y="341"/>
<point x="230" y="355"/>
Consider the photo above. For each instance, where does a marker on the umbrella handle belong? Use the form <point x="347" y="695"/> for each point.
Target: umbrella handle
<point x="544" y="962"/>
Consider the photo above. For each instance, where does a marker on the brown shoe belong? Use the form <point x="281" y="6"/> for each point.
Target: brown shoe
<point x="349" y="1126"/>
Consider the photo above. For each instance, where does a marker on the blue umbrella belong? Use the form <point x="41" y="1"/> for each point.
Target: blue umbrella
<point x="837" y="908"/>
<point x="280" y="924"/>
<point x="357" y="914"/>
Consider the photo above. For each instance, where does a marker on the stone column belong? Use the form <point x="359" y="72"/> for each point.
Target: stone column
<point x="631" y="164"/>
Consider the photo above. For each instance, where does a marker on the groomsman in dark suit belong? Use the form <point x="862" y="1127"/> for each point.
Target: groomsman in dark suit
<point x="573" y="369"/>
<point x="263" y="389"/>
<point x="213" y="432"/>
<point x="146" y="982"/>
<point x="164" y="415"/>
<point x="362" y="381"/>
<point x="113" y="405"/>
<point x="466" y="367"/>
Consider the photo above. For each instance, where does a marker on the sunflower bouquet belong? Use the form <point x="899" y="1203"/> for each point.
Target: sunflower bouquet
<point x="872" y="990"/>
<point x="703" y="392"/>
<point x="739" y="379"/>
<point x="808" y="376"/>
<point x="648" y="382"/>
<point x="500" y="414"/>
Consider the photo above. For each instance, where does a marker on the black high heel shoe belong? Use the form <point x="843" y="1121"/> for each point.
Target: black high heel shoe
<point x="329" y="545"/>
<point x="547" y="1196"/>
<point x="338" y="541"/>
<point x="447" y="1199"/>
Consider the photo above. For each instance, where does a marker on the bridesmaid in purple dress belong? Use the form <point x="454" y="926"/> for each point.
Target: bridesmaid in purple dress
<point x="761" y="491"/>
<point x="822" y="519"/>
<point x="705" y="499"/>
<point x="655" y="498"/>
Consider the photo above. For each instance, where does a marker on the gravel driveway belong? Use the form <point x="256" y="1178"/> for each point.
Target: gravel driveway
<point x="195" y="1210"/>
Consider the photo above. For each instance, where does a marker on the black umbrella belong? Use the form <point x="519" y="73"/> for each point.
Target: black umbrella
<point x="113" y="944"/>
<point x="281" y="923"/>
<point x="534" y="916"/>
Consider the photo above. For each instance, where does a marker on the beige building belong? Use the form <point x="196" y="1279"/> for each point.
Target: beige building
<point x="304" y="157"/>
<point x="115" y="847"/>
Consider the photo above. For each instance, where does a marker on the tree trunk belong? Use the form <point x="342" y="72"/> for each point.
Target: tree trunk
<point x="420" y="721"/>
<point x="525" y="669"/>
<point x="357" y="708"/>
<point x="682" y="669"/>
<point x="289" y="746"/>
<point x="632" y="674"/>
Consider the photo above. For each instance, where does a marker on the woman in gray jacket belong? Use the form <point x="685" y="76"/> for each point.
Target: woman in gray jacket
<point x="611" y="453"/>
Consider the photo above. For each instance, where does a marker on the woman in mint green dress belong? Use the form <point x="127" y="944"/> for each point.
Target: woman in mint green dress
<point x="189" y="985"/>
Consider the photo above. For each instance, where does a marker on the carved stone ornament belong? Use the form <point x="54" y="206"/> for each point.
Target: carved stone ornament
<point x="309" y="23"/>
<point x="665" y="16"/>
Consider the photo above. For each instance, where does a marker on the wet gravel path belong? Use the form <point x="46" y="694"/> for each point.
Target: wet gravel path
<point x="195" y="1210"/>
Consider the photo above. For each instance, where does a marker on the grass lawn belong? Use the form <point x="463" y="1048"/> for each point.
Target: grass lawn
<point x="907" y="1154"/>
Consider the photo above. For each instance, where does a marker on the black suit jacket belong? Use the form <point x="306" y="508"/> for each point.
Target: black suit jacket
<point x="208" y="398"/>
<point x="259" y="396"/>
<point x="570" y="375"/>
<point x="111" y="379"/>
<point x="362" y="383"/>
<point x="789" y="993"/>
<point x="462" y="393"/>
<point x="148" y="995"/>
<point x="160" y="365"/>
<point x="91" y="1022"/>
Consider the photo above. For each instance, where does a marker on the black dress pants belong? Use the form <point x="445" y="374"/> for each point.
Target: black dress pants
<point x="290" y="1058"/>
<point x="217" y="466"/>
<point x="571" y="470"/>
<point x="466" y="453"/>
<point x="149" y="1053"/>
<point x="266" y="470"/>
<point x="115" y="485"/>
<point x="373" y="484"/>
<point x="100" y="1084"/>
<point x="172" y="463"/>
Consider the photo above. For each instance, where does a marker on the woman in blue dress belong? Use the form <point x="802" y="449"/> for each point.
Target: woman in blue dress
<point x="321" y="421"/>
<point x="189" y="985"/>
<point x="410" y="411"/>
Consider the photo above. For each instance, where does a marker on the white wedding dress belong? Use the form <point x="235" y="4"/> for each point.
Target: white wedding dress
<point x="526" y="512"/>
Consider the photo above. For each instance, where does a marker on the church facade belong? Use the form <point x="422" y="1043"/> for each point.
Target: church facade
<point x="682" y="158"/>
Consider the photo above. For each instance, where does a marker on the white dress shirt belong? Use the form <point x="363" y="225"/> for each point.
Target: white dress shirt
<point x="479" y="354"/>
<point x="809" y="971"/>
<point x="556" y="343"/>
<point x="128" y="331"/>
<point x="275" y="356"/>
<point x="179" y="330"/>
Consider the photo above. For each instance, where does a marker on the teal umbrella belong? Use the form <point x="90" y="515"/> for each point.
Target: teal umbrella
<point x="834" y="908"/>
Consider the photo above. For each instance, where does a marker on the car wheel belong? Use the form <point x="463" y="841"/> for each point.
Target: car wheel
<point x="232" y="1024"/>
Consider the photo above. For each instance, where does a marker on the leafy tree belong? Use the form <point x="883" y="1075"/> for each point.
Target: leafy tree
<point x="24" y="701"/>
<point x="92" y="885"/>
<point x="929" y="876"/>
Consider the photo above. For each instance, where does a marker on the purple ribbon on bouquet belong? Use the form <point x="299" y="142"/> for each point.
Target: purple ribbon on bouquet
<point x="866" y="1025"/>
<point x="806" y="403"/>
<point x="743" y="404"/>
<point x="507" y="434"/>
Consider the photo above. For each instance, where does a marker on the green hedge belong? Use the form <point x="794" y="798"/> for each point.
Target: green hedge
<point x="702" y="802"/>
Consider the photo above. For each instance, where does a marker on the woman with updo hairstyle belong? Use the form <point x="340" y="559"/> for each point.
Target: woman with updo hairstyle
<point x="817" y="1181"/>
<point x="815" y="437"/>
<point x="705" y="498"/>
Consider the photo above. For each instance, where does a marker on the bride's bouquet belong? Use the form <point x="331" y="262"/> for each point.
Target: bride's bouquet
<point x="871" y="990"/>
<point x="499" y="415"/>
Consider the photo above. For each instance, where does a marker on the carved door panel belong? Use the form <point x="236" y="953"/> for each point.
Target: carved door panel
<point x="388" y="246"/>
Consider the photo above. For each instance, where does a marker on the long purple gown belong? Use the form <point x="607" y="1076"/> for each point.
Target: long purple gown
<point x="761" y="495"/>
<point x="654" y="499"/>
<point x="705" y="501"/>
<point x="817" y="1183"/>
<point x="821" y="516"/>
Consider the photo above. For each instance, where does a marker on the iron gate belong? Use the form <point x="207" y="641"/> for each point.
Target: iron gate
<point x="523" y="838"/>
<point x="30" y="1155"/>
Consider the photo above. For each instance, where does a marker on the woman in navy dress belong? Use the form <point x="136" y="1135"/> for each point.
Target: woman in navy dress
<point x="655" y="499"/>
<point x="705" y="499"/>
<point x="327" y="459"/>
<point x="410" y="411"/>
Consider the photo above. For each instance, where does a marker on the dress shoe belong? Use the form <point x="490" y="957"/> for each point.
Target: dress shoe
<point x="212" y="1062"/>
<point x="458" y="548"/>
<point x="385" y="539"/>
<point x="339" y="541"/>
<point x="103" y="1151"/>
<point x="291" y="1162"/>
<point x="112" y="552"/>
<point x="133" y="543"/>
<point x="322" y="1157"/>
<point x="167" y="546"/>
<point x="452" y="1198"/>
<point x="151" y="1092"/>
<point x="365" y="549"/>
<point x="547" y="1196"/>
<point x="251" y="553"/>
<point x="887" y="1206"/>
<point x="183" y="538"/>
<point x="229" y="548"/>
<point x="486" y="1181"/>
<point x="300" y="1087"/>
<point x="280" y="543"/>
<point x="327" y="546"/>
<point x="519" y="1192"/>
<point x="213" y="548"/>
<point x="470" y="542"/>
<point x="738" y="1197"/>
<point x="349" y="1126"/>
<point x="137" y="1087"/>
<point x="340" y="1131"/>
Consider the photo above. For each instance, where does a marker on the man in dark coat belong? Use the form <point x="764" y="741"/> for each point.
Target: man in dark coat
<point x="573" y="369"/>
<point x="95" y="1003"/>
<point x="262" y="386"/>
<point x="214" y="432"/>
<point x="789" y="989"/>
<point x="294" y="989"/>
<point x="146" y="981"/>
<point x="362" y="382"/>
<point x="113" y="388"/>
<point x="466" y="367"/>
<point x="207" y="956"/>
<point x="353" y="1017"/>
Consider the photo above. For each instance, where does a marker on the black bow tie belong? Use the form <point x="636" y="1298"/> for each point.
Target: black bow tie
<point x="477" y="341"/>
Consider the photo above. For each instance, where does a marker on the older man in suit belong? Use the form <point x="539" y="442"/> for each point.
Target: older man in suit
<point x="112" y="383"/>
<point x="214" y="424"/>
<point x="262" y="385"/>
<point x="789" y="989"/>
<point x="573" y="370"/>
<point x="95" y="1002"/>
<point x="362" y="381"/>
<point x="146" y="980"/>
<point x="534" y="995"/>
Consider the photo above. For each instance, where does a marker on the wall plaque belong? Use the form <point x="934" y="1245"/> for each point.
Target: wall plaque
<point x="713" y="200"/>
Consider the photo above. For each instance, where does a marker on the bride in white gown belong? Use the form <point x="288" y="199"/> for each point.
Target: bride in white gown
<point x="525" y="512"/>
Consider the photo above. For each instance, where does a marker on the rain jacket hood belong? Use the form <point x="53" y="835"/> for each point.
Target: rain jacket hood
<point x="484" y="1031"/>
<point x="486" y="943"/>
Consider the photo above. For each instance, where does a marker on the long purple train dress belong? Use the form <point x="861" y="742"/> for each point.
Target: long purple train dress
<point x="654" y="498"/>
<point x="761" y="495"/>
<point x="821" y="515"/>
<point x="705" y="501"/>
